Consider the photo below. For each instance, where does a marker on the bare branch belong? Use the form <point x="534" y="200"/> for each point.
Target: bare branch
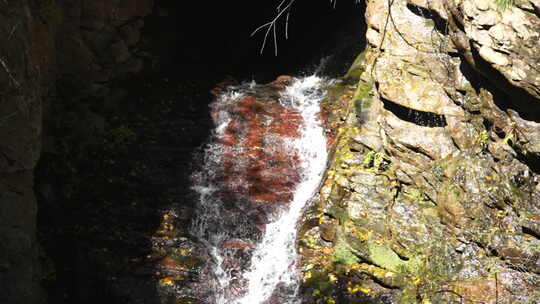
<point x="13" y="30"/>
<point x="4" y="65"/>
<point x="7" y="117"/>
<point x="287" y="26"/>
<point x="283" y="7"/>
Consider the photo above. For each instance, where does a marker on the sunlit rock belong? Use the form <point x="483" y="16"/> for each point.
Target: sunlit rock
<point x="434" y="172"/>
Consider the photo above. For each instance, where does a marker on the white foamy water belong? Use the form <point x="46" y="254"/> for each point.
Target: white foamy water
<point x="274" y="258"/>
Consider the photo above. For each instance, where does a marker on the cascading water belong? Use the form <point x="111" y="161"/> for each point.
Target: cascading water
<point x="264" y="163"/>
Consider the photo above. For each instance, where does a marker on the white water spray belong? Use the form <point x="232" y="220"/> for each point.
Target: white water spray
<point x="274" y="258"/>
<point x="273" y="262"/>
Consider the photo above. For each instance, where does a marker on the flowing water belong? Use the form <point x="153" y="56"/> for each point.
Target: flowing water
<point x="261" y="263"/>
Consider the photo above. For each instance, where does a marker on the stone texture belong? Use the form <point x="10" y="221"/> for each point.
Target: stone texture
<point x="22" y="49"/>
<point x="92" y="38"/>
<point x="259" y="170"/>
<point x="506" y="38"/>
<point x="40" y="42"/>
<point x="434" y="175"/>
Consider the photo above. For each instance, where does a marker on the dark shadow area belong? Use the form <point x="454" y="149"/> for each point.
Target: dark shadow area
<point x="530" y="232"/>
<point x="471" y="75"/>
<point x="531" y="160"/>
<point x="199" y="40"/>
<point x="505" y="95"/>
<point x="104" y="187"/>
<point x="421" y="118"/>
<point x="439" y="23"/>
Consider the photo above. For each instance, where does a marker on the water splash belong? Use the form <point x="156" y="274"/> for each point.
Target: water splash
<point x="271" y="261"/>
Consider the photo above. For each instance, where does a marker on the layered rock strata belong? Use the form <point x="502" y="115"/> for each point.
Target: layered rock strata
<point x="433" y="192"/>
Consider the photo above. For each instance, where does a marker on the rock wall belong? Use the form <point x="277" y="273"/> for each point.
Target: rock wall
<point x="97" y="43"/>
<point x="83" y="44"/>
<point x="433" y="193"/>
<point x="20" y="130"/>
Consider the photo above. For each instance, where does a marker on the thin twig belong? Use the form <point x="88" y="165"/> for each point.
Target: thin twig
<point x="7" y="117"/>
<point x="390" y="3"/>
<point x="13" y="30"/>
<point x="271" y="25"/>
<point x="403" y="36"/>
<point x="280" y="4"/>
<point x="15" y="82"/>
<point x="287" y="25"/>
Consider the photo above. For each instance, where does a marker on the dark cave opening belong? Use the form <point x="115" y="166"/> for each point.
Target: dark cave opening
<point x="102" y="194"/>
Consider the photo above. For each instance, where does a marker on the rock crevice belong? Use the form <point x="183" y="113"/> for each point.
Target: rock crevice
<point x="434" y="210"/>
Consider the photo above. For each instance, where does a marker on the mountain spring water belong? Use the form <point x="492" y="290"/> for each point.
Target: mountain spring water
<point x="250" y="234"/>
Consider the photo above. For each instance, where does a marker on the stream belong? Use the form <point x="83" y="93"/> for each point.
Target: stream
<point x="261" y="168"/>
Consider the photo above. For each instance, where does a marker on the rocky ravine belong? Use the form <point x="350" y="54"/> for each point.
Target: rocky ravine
<point x="433" y="193"/>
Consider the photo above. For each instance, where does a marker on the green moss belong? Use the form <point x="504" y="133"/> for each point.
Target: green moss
<point x="483" y="137"/>
<point x="505" y="3"/>
<point x="375" y="160"/>
<point x="343" y="255"/>
<point x="357" y="68"/>
<point x="335" y="91"/>
<point x="319" y="281"/>
<point x="339" y="213"/>
<point x="363" y="96"/>
<point x="418" y="197"/>
<point x="368" y="159"/>
<point x="408" y="296"/>
<point x="414" y="265"/>
<point x="414" y="194"/>
<point x="358" y="105"/>
<point x="430" y="23"/>
<point x="385" y="257"/>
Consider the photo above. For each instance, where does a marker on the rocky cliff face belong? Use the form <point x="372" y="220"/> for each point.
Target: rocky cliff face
<point x="433" y="192"/>
<point x="21" y="92"/>
<point x="432" y="195"/>
<point x="82" y="44"/>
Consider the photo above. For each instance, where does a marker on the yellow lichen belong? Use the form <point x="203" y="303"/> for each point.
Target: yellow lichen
<point x="357" y="288"/>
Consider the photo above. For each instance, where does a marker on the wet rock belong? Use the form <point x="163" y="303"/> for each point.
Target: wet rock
<point x="265" y="173"/>
<point x="237" y="244"/>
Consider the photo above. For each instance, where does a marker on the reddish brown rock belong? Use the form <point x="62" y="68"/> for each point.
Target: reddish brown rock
<point x="259" y="167"/>
<point x="237" y="244"/>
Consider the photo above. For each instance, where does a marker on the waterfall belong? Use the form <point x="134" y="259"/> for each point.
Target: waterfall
<point x="247" y="218"/>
